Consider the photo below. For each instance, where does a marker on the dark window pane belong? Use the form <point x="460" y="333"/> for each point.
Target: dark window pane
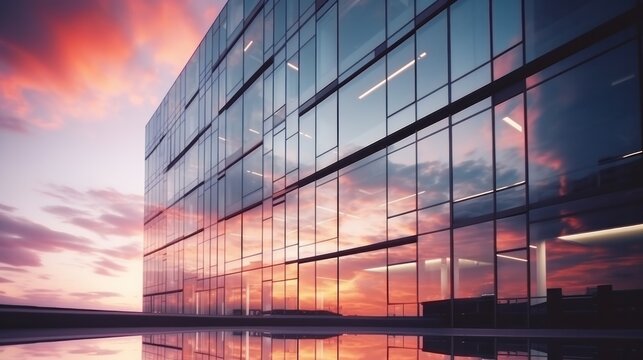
<point x="252" y="172"/>
<point x="398" y="12"/>
<point x="307" y="72"/>
<point x="234" y="67"/>
<point x="469" y="36"/>
<point x="507" y="24"/>
<point x="253" y="48"/>
<point x="253" y="115"/>
<point x="582" y="125"/>
<point x="327" y="48"/>
<point x="327" y="124"/>
<point x="510" y="142"/>
<point x="233" y="132"/>
<point x="550" y="23"/>
<point x="400" y="76"/>
<point x="307" y="144"/>
<point x="432" y="56"/>
<point x="233" y="181"/>
<point x="361" y="29"/>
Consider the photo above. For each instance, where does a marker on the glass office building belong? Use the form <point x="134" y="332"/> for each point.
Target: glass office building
<point x="475" y="162"/>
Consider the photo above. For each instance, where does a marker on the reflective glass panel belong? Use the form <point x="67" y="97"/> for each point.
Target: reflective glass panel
<point x="469" y="36"/>
<point x="362" y="196"/>
<point x="361" y="29"/>
<point x="362" y="113"/>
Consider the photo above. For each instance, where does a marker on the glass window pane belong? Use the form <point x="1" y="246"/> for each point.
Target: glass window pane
<point x="432" y="55"/>
<point x="307" y="72"/>
<point x="307" y="215"/>
<point x="362" y="194"/>
<point x="469" y="36"/>
<point x="510" y="142"/>
<point x="234" y="68"/>
<point x="253" y="115"/>
<point x="307" y="144"/>
<point x="507" y="24"/>
<point x="473" y="266"/>
<point x="327" y="48"/>
<point x="362" y="110"/>
<point x="511" y="233"/>
<point x="307" y="286"/>
<point x="472" y="156"/>
<point x="433" y="169"/>
<point x="599" y="110"/>
<point x="235" y="15"/>
<point x="362" y="284"/>
<point x="327" y="124"/>
<point x="233" y="132"/>
<point x="401" y="180"/>
<point x="253" y="48"/>
<point x="399" y="12"/>
<point x="252" y="231"/>
<point x="512" y="275"/>
<point x="585" y="249"/>
<point x="326" y="211"/>
<point x="402" y="284"/>
<point x="292" y="84"/>
<point x="326" y="282"/>
<point x="252" y="172"/>
<point x="434" y="266"/>
<point x="361" y="29"/>
<point x="400" y="76"/>
<point x="233" y="181"/>
<point x="550" y="23"/>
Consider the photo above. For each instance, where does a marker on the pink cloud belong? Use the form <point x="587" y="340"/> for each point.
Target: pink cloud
<point x="22" y="240"/>
<point x="73" y="61"/>
<point x="104" y="211"/>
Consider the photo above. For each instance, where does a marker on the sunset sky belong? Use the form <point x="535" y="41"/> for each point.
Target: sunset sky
<point x="79" y="79"/>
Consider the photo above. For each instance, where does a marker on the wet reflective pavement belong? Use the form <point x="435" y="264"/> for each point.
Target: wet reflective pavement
<point x="312" y="343"/>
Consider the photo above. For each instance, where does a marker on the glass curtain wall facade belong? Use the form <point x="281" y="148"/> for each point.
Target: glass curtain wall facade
<point x="399" y="158"/>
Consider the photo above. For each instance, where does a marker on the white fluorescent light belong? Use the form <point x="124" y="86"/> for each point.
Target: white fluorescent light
<point x="254" y="173"/>
<point x="632" y="154"/>
<point x="292" y="66"/>
<point x="622" y="80"/>
<point x="220" y="138"/>
<point x="305" y="135"/>
<point x="473" y="196"/>
<point x="405" y="266"/>
<point x="508" y="186"/>
<point x="396" y="73"/>
<point x="533" y="246"/>
<point x="422" y="55"/>
<point x="404" y="198"/>
<point x="247" y="46"/>
<point x="253" y="131"/>
<point x="596" y="236"/>
<point x="511" y="257"/>
<point x="513" y="124"/>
